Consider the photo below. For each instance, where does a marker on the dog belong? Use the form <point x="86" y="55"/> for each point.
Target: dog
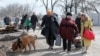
<point x="23" y="42"/>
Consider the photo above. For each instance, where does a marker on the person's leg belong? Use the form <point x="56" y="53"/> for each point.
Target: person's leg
<point x="64" y="44"/>
<point x="33" y="27"/>
<point x="47" y="38"/>
<point x="87" y="43"/>
<point x="51" y="41"/>
<point x="28" y="27"/>
<point x="69" y="45"/>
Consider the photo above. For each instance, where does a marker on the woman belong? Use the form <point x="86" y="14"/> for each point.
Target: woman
<point x="49" y="30"/>
<point x="86" y="23"/>
<point x="66" y="30"/>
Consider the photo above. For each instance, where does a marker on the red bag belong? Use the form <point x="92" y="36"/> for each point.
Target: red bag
<point x="88" y="34"/>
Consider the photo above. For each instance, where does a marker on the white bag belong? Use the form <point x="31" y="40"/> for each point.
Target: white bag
<point x="58" y="40"/>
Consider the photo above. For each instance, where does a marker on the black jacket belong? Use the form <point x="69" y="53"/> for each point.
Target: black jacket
<point x="34" y="19"/>
<point x="78" y="22"/>
<point x="7" y="20"/>
<point x="50" y="25"/>
<point x="23" y="19"/>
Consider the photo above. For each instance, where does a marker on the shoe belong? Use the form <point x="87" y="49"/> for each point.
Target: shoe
<point x="50" y="48"/>
<point x="68" y="52"/>
<point x="64" y="50"/>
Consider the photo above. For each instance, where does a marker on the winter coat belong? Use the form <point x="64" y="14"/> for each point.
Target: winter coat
<point x="67" y="28"/>
<point x="27" y="22"/>
<point x="78" y="22"/>
<point x="7" y="20"/>
<point x="34" y="19"/>
<point x="50" y="26"/>
<point x="23" y="20"/>
<point x="17" y="20"/>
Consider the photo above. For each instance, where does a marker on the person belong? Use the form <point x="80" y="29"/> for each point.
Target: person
<point x="66" y="30"/>
<point x="7" y="20"/>
<point x="16" y="22"/>
<point x="78" y="21"/>
<point x="50" y="27"/>
<point x="27" y="23"/>
<point x="34" y="20"/>
<point x="86" y="23"/>
<point x="23" y="22"/>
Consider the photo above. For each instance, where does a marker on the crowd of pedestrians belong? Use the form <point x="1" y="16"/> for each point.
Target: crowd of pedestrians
<point x="69" y="29"/>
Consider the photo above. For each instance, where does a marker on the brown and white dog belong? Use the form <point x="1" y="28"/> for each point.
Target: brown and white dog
<point x="23" y="42"/>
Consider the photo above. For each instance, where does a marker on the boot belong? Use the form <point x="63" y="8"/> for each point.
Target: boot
<point x="50" y="48"/>
<point x="84" y="50"/>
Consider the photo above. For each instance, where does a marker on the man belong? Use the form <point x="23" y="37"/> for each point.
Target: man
<point x="78" y="21"/>
<point x="16" y="22"/>
<point x="7" y="20"/>
<point x="22" y="26"/>
<point x="34" y="20"/>
<point x="50" y="28"/>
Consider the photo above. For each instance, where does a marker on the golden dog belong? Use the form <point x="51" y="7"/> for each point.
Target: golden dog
<point x="23" y="42"/>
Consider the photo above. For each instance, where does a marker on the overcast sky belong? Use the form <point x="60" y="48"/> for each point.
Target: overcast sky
<point x="38" y="6"/>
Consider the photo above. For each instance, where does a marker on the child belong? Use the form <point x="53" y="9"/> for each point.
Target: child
<point x="27" y="24"/>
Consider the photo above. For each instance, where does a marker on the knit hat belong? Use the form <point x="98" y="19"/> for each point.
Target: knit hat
<point x="70" y="14"/>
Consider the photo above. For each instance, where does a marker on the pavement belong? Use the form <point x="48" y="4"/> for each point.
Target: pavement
<point x="42" y="47"/>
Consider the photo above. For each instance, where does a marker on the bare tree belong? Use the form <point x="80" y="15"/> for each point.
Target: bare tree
<point x="66" y="5"/>
<point x="53" y="3"/>
<point x="88" y="5"/>
<point x="46" y="3"/>
<point x="83" y="5"/>
<point x="76" y="5"/>
<point x="15" y="10"/>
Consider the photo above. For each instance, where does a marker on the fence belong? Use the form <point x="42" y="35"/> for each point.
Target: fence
<point x="94" y="17"/>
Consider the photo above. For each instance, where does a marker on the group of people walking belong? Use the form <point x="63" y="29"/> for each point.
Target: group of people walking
<point x="26" y="22"/>
<point x="29" y="22"/>
<point x="68" y="29"/>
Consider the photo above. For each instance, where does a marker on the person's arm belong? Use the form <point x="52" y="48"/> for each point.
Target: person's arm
<point x="76" y="21"/>
<point x="31" y="19"/>
<point x="36" y="18"/>
<point x="75" y="27"/>
<point x="56" y="22"/>
<point x="43" y="21"/>
<point x="60" y="26"/>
